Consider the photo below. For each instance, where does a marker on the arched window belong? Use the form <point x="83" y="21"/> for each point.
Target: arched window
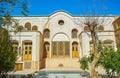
<point x="46" y="33"/>
<point x="27" y="50"/>
<point x="60" y="49"/>
<point x="86" y="28"/>
<point x="46" y="50"/>
<point x="35" y="28"/>
<point x="74" y="33"/>
<point x="75" y="49"/>
<point x="28" y="26"/>
<point x="101" y="28"/>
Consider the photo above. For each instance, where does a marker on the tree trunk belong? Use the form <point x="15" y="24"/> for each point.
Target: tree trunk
<point x="93" y="72"/>
<point x="96" y="55"/>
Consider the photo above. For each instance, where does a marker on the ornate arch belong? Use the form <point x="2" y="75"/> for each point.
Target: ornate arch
<point x="60" y="37"/>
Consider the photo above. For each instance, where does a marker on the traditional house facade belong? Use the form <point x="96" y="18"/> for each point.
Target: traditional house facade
<point x="56" y="41"/>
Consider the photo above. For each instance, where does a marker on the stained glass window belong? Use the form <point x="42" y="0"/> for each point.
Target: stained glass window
<point x="67" y="48"/>
<point x="60" y="48"/>
<point x="54" y="48"/>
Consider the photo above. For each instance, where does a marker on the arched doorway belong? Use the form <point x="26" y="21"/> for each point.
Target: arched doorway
<point x="46" y="53"/>
<point x="75" y="50"/>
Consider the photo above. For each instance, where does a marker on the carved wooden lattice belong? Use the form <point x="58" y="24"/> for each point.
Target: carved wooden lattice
<point x="60" y="48"/>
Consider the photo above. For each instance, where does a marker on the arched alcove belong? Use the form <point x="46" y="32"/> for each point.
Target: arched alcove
<point x="28" y="25"/>
<point x="74" y="33"/>
<point x="60" y="45"/>
<point x="34" y="27"/>
<point x="46" y="33"/>
<point x="46" y="53"/>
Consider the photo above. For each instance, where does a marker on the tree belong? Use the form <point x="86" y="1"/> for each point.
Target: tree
<point x="110" y="60"/>
<point x="84" y="64"/>
<point x="93" y="22"/>
<point x="7" y="56"/>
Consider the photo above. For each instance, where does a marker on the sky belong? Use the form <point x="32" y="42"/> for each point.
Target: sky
<point x="73" y="7"/>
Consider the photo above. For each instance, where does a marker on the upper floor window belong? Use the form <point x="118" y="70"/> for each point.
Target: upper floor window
<point x="61" y="22"/>
<point x="101" y="28"/>
<point x="74" y="33"/>
<point x="34" y="27"/>
<point x="20" y="28"/>
<point x="28" y="26"/>
<point x="46" y="33"/>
